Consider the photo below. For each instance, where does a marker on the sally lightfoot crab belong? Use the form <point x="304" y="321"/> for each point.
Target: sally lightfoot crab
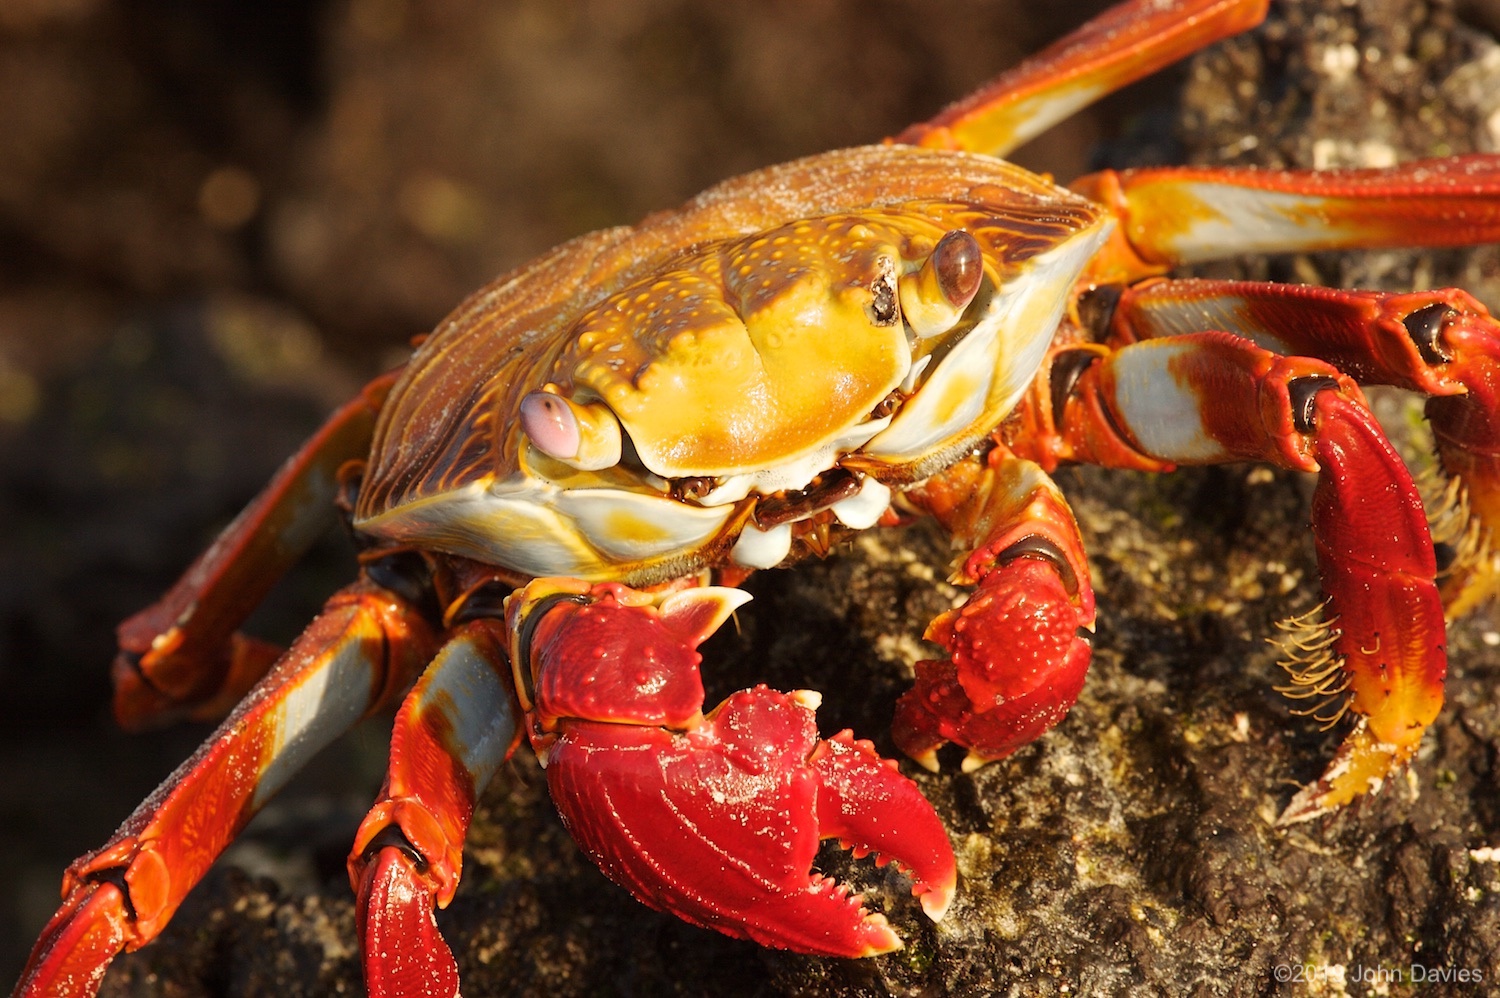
<point x="556" y="495"/>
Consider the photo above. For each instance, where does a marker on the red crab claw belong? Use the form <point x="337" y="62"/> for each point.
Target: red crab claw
<point x="1018" y="648"/>
<point x="717" y="818"/>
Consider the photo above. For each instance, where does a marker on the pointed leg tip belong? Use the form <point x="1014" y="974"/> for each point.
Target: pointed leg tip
<point x="973" y="762"/>
<point x="1310" y="802"/>
<point x="76" y="947"/>
<point x="935" y="901"/>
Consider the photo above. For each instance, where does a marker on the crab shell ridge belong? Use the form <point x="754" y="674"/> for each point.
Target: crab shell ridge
<point x="743" y="344"/>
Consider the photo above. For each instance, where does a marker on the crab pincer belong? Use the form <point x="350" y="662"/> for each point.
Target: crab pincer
<point x="714" y="818"/>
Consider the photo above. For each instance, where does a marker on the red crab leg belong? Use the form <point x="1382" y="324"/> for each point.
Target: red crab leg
<point x="1442" y="343"/>
<point x="1019" y="647"/>
<point x="360" y="652"/>
<point x="714" y="818"/>
<point x="1179" y="215"/>
<point x="181" y="656"/>
<point x="1125" y="43"/>
<point x="452" y="732"/>
<point x="1212" y="398"/>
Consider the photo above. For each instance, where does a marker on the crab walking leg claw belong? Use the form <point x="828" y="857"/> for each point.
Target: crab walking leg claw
<point x="454" y="729"/>
<point x="1212" y="398"/>
<point x="1442" y="343"/>
<point x="714" y="818"/>
<point x="181" y="656"/>
<point x="1125" y="43"/>
<point x="358" y="654"/>
<point x="1019" y="647"/>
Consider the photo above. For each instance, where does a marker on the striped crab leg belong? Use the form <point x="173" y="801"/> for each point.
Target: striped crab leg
<point x="364" y="648"/>
<point x="181" y="656"/>
<point x="1213" y="398"/>
<point x="454" y="729"/>
<point x="1442" y="343"/>
<point x="1129" y="41"/>
<point x="1170" y="216"/>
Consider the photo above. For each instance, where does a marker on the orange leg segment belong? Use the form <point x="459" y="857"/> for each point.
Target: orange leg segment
<point x="181" y="656"/>
<point x="1176" y="215"/>
<point x="1125" y="43"/>
<point x="358" y="654"/>
<point x="1018" y="649"/>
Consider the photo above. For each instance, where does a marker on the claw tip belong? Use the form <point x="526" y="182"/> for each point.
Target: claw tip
<point x="927" y="760"/>
<point x="811" y="699"/>
<point x="880" y="938"/>
<point x="935" y="902"/>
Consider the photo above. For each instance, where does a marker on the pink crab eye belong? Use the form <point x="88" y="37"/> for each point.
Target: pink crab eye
<point x="550" y="425"/>
<point x="959" y="265"/>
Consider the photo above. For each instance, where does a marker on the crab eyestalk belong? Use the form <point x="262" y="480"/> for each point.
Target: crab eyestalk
<point x="933" y="297"/>
<point x="586" y="437"/>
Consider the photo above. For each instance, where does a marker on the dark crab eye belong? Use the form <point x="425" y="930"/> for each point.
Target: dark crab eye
<point x="958" y="265"/>
<point x="934" y="297"/>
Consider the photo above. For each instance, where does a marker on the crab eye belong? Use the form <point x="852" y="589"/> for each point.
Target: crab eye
<point x="586" y="437"/>
<point x="958" y="264"/>
<point x="934" y="296"/>
<point x="548" y="421"/>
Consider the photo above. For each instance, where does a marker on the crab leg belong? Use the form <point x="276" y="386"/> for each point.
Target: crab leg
<point x="1441" y="343"/>
<point x="451" y="734"/>
<point x="181" y="656"/>
<point x="357" y="655"/>
<point x="1176" y="215"/>
<point x="1019" y="648"/>
<point x="1212" y="398"/>
<point x="1125" y="43"/>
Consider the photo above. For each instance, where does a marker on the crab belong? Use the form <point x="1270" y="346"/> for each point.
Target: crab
<point x="557" y="495"/>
